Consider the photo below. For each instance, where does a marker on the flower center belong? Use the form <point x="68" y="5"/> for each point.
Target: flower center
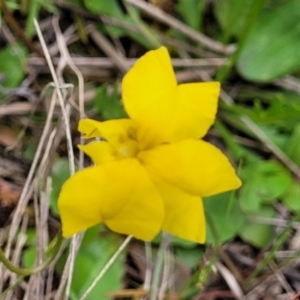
<point x="128" y="149"/>
<point x="126" y="145"/>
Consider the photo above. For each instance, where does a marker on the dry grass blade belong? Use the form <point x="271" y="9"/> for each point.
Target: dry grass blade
<point x="28" y="187"/>
<point x="165" y="18"/>
<point x="231" y="281"/>
<point x="167" y="275"/>
<point x="281" y="278"/>
<point x="65" y="59"/>
<point x="36" y="178"/>
<point x="18" y="108"/>
<point x="103" y="43"/>
<point x="107" y="63"/>
<point x="148" y="272"/>
<point x="289" y="83"/>
<point x="60" y="98"/>
<point x="66" y="55"/>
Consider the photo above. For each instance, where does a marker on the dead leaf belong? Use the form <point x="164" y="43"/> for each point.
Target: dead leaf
<point x="9" y="193"/>
<point x="7" y="136"/>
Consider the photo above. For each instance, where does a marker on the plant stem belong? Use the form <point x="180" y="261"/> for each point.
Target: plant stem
<point x="25" y="271"/>
<point x="159" y="265"/>
<point x="12" y="286"/>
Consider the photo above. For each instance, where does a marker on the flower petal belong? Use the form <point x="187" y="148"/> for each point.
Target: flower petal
<point x="111" y="128"/>
<point x="195" y="166"/>
<point x="148" y="92"/>
<point x="118" y="193"/>
<point x="184" y="213"/>
<point x="196" y="108"/>
<point x="119" y="133"/>
<point x="100" y="152"/>
<point x="162" y="110"/>
<point x="78" y="202"/>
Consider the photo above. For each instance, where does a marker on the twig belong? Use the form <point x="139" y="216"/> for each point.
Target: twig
<point x="66" y="55"/>
<point x="76" y="240"/>
<point x="297" y="296"/>
<point x="27" y="189"/>
<point x="119" y="60"/>
<point x="280" y="278"/>
<point x="231" y="281"/>
<point x="166" y="275"/>
<point x="107" y="63"/>
<point x="148" y="273"/>
<point x="273" y="221"/>
<point x="289" y="83"/>
<point x="18" y="108"/>
<point x="60" y="98"/>
<point x="159" y="265"/>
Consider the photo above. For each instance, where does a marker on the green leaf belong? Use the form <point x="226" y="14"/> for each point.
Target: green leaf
<point x="12" y="4"/>
<point x="94" y="253"/>
<point x="263" y="182"/>
<point x="293" y="145"/>
<point x="33" y="10"/>
<point x="29" y="253"/>
<point x="29" y="257"/>
<point x="291" y="198"/>
<point x="232" y="15"/>
<point x="189" y="257"/>
<point x="191" y="11"/>
<point x="224" y="218"/>
<point x="111" y="8"/>
<point x="283" y="112"/>
<point x="108" y="104"/>
<point x="272" y="47"/>
<point x="176" y="241"/>
<point x="258" y="234"/>
<point x="30" y="151"/>
<point x="12" y="65"/>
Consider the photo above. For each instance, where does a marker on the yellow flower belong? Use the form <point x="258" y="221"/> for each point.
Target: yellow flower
<point x="152" y="170"/>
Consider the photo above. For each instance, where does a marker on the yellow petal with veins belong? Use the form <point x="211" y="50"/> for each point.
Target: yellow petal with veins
<point x="196" y="108"/>
<point x="184" y="215"/>
<point x="162" y="110"/>
<point x="195" y="166"/>
<point x="148" y="92"/>
<point x="118" y="193"/>
<point x="100" y="152"/>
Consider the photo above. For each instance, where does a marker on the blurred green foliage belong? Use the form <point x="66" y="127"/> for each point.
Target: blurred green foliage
<point x="12" y="65"/>
<point x="191" y="12"/>
<point x="272" y="48"/>
<point x="107" y="103"/>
